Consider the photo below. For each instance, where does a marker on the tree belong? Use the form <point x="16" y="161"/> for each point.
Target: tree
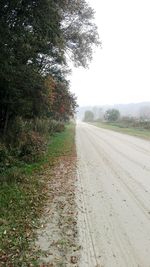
<point x="36" y="39"/>
<point x="88" y="116"/>
<point x="63" y="102"/>
<point x="79" y="31"/>
<point x="112" y="115"/>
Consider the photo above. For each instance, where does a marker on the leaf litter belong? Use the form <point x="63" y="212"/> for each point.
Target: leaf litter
<point x="57" y="238"/>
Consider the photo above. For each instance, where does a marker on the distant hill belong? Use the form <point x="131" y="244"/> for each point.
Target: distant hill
<point x="132" y="109"/>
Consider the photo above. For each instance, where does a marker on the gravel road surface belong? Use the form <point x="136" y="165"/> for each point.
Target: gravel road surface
<point x="113" y="197"/>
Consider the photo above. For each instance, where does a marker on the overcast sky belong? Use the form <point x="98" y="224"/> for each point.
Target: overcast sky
<point x="120" y="71"/>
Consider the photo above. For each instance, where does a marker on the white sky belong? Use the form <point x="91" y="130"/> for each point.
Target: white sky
<point x="120" y="71"/>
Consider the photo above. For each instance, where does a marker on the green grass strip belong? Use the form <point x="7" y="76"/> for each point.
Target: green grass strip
<point x="138" y="132"/>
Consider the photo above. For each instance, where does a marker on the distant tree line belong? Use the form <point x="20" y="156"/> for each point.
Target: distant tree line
<point x="113" y="116"/>
<point x="139" y="111"/>
<point x="110" y="115"/>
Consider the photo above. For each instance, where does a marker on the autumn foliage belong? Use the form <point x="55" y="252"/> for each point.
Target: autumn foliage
<point x="36" y="40"/>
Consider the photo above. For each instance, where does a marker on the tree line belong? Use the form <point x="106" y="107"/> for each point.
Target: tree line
<point x="113" y="116"/>
<point x="109" y="115"/>
<point x="37" y="39"/>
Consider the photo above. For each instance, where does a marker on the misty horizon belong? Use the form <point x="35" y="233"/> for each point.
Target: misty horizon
<point x="130" y="109"/>
<point x="114" y="104"/>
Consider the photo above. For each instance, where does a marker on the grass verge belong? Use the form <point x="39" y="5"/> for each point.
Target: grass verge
<point x="22" y="198"/>
<point x="139" y="132"/>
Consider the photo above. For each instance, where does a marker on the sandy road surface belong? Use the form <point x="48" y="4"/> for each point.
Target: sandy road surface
<point x="113" y="198"/>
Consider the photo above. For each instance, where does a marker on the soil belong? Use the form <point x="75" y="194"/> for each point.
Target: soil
<point x="57" y="239"/>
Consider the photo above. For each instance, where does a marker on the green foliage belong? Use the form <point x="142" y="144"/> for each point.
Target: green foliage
<point x="88" y="116"/>
<point x="112" y="115"/>
<point x="79" y="31"/>
<point x="36" y="39"/>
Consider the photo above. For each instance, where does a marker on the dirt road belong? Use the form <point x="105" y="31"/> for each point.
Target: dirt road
<point x="113" y="196"/>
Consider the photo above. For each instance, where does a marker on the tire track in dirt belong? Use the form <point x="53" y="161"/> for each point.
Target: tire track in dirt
<point x="116" y="202"/>
<point x="118" y="172"/>
<point x="124" y="155"/>
<point x="122" y="137"/>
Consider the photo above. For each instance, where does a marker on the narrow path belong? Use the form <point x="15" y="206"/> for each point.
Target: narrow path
<point x="113" y="197"/>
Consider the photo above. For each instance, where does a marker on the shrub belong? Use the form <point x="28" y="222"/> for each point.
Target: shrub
<point x="41" y="126"/>
<point x="15" y="129"/>
<point x="27" y="139"/>
<point x="56" y="126"/>
<point x="32" y="146"/>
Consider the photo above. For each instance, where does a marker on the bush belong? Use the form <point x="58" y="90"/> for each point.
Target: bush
<point x="56" y="126"/>
<point x="27" y="139"/>
<point x="41" y="126"/>
<point x="19" y="126"/>
<point x="32" y="146"/>
<point x="14" y="130"/>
